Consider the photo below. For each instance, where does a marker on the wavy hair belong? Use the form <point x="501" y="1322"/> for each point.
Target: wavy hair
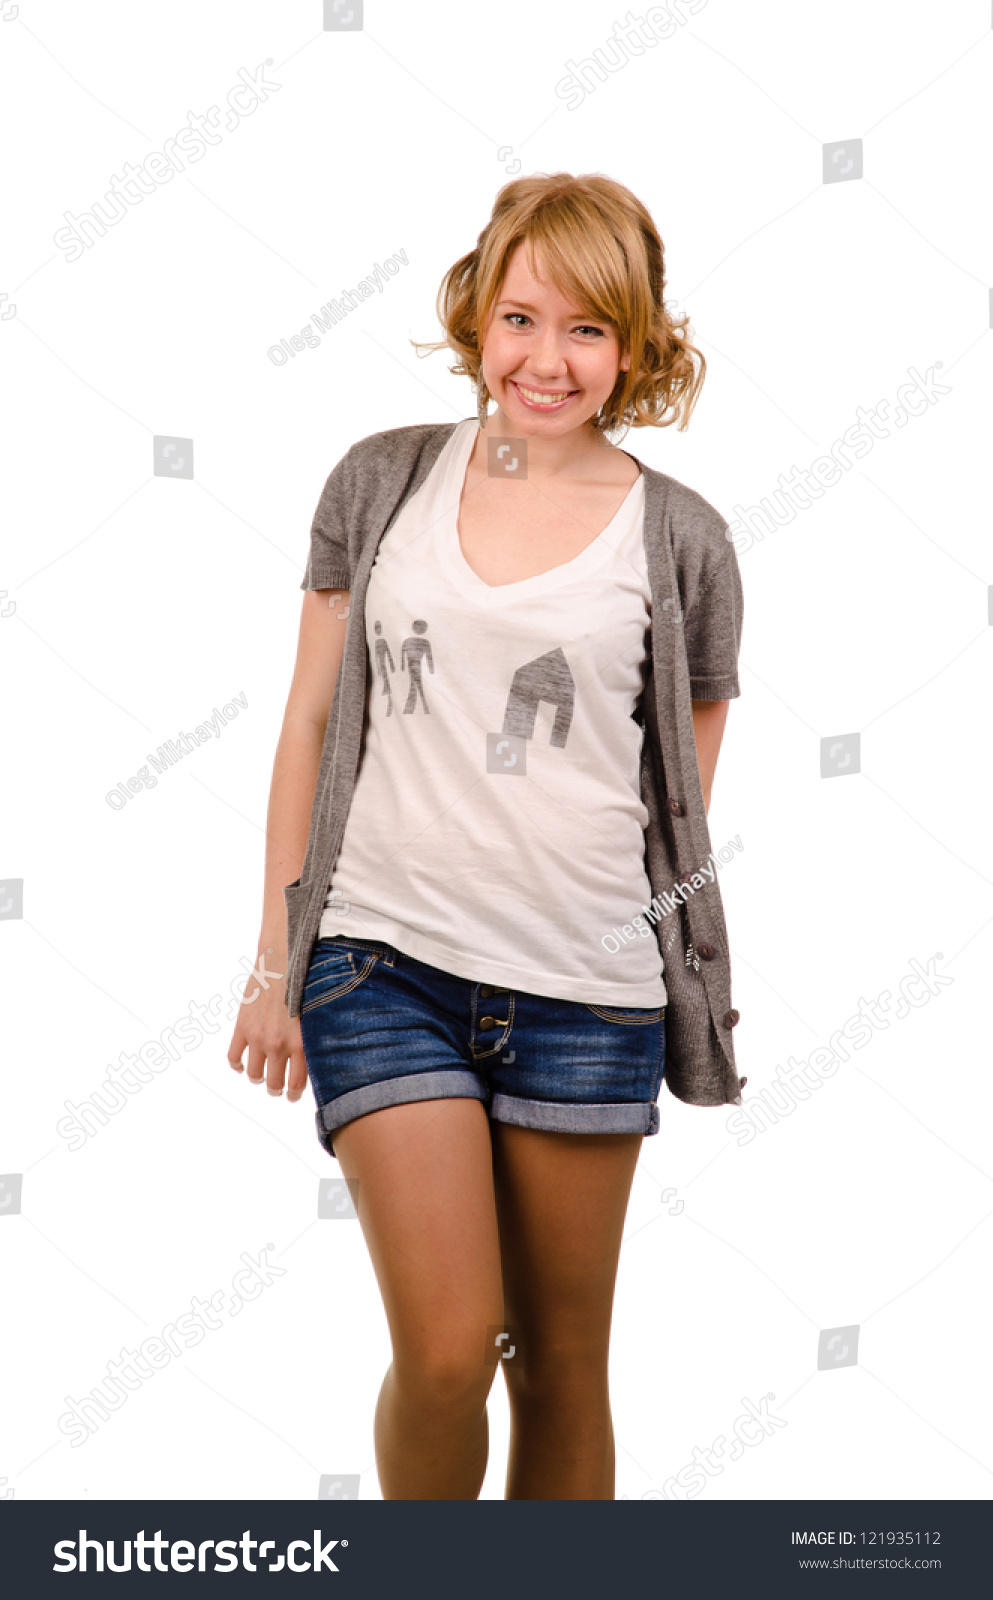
<point x="601" y="249"/>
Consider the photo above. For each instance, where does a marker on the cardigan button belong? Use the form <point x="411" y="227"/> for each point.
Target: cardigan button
<point x="742" y="1081"/>
<point x="705" y="951"/>
<point x="676" y="808"/>
<point x="731" y="1018"/>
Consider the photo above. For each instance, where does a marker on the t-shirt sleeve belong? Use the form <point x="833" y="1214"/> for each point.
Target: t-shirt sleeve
<point x="328" y="565"/>
<point x="714" y="611"/>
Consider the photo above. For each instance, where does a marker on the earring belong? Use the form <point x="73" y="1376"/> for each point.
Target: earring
<point x="482" y="399"/>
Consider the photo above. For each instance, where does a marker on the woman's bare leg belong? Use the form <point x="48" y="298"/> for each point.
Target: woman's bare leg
<point x="425" y="1202"/>
<point x="561" y="1202"/>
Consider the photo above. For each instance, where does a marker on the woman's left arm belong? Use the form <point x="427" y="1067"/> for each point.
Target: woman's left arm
<point x="709" y="718"/>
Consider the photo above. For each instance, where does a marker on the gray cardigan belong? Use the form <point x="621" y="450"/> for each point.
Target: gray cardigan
<point x="695" y="639"/>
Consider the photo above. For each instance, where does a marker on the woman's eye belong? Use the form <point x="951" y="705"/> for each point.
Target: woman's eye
<point x="517" y="317"/>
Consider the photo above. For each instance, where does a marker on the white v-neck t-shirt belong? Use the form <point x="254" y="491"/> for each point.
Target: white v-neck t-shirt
<point x="496" y="828"/>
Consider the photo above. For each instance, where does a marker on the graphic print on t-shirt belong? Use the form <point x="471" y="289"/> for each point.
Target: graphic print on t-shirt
<point x="411" y="653"/>
<point x="382" y="651"/>
<point x="547" y="677"/>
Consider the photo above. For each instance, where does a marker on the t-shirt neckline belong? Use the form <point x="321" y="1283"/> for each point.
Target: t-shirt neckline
<point x="597" y="552"/>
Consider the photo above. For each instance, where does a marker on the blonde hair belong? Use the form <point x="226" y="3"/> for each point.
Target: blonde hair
<point x="602" y="250"/>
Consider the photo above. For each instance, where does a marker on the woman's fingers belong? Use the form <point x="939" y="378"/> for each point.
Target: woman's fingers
<point x="297" y="1081"/>
<point x="256" y="1061"/>
<point x="236" y="1048"/>
<point x="269" y="1050"/>
<point x="276" y="1067"/>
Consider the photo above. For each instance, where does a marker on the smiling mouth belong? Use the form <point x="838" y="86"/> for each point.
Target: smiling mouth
<point x="547" y="399"/>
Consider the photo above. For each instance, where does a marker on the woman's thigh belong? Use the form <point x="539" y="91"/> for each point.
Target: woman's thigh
<point x="421" y="1179"/>
<point x="561" y="1202"/>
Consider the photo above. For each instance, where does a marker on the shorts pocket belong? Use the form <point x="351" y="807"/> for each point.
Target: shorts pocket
<point x="629" y="1015"/>
<point x="334" y="971"/>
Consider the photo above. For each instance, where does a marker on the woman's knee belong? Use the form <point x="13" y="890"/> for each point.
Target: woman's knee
<point x="447" y="1367"/>
<point x="565" y="1363"/>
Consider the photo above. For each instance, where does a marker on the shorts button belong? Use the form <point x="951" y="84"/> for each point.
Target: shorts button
<point x="485" y="990"/>
<point x="731" y="1018"/>
<point x="486" y="1023"/>
<point x="705" y="951"/>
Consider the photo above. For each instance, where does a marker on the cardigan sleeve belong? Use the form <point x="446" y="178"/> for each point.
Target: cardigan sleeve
<point x="328" y="566"/>
<point x="713" y="607"/>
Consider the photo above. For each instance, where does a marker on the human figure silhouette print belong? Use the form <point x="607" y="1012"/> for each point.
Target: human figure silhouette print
<point x="383" y="653"/>
<point x="413" y="651"/>
<point x="547" y="677"/>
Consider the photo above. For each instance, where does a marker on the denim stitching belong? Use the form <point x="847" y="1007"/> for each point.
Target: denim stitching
<point x="386" y="952"/>
<point x="480" y="1055"/>
<point x="600" y="1011"/>
<point x="345" y="988"/>
<point x="317" y="966"/>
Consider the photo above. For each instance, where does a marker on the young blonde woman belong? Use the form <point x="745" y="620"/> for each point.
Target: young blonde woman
<point x="516" y="655"/>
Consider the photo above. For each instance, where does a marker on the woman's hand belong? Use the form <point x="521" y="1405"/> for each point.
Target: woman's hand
<point x="273" y="1037"/>
<point x="271" y="1034"/>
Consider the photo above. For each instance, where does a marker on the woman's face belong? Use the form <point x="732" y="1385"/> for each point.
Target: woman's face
<point x="548" y="367"/>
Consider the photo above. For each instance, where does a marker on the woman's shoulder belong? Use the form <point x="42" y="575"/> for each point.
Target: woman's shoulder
<point x="681" y="499"/>
<point x="695" y="525"/>
<point x="394" y="444"/>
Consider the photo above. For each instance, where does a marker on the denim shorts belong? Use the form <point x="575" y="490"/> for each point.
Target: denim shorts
<point x="381" y="1028"/>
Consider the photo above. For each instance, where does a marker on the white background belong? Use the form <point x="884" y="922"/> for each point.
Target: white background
<point x="143" y="603"/>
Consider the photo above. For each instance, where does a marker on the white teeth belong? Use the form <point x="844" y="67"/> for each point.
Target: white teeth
<point x="541" y="399"/>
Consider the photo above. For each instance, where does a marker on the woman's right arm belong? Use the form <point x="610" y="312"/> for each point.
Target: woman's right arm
<point x="264" y="1024"/>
